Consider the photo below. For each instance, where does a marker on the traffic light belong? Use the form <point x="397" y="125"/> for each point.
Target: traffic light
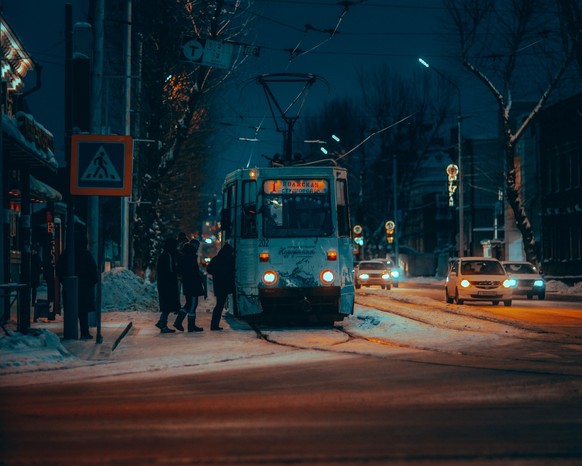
<point x="358" y="235"/>
<point x="358" y="238"/>
<point x="390" y="227"/>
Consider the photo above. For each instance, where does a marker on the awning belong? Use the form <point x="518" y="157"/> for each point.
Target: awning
<point x="22" y="150"/>
<point x="43" y="191"/>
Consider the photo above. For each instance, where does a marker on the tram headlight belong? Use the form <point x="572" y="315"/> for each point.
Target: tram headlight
<point x="270" y="277"/>
<point x="327" y="277"/>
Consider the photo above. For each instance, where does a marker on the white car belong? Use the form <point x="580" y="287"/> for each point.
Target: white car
<point x="529" y="280"/>
<point x="478" y="279"/>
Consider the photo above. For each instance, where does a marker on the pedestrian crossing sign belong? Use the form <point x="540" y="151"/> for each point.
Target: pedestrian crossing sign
<point x="101" y="165"/>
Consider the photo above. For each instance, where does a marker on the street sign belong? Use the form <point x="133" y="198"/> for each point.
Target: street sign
<point x="207" y="52"/>
<point x="101" y="165"/>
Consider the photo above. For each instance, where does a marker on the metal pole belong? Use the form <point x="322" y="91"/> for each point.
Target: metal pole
<point x="127" y="121"/>
<point x="96" y="128"/>
<point x="461" y="203"/>
<point x="396" y="220"/>
<point x="70" y="325"/>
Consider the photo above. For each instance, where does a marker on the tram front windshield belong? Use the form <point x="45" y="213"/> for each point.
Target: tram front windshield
<point x="296" y="208"/>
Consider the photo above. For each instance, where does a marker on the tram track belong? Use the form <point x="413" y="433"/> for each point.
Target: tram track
<point x="409" y="309"/>
<point x="533" y="355"/>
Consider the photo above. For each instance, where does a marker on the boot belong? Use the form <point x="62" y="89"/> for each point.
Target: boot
<point x="192" y="327"/>
<point x="179" y="319"/>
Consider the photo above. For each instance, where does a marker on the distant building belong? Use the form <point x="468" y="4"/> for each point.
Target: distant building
<point x="560" y="150"/>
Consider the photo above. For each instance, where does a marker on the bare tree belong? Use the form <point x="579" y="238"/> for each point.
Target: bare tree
<point x="513" y="45"/>
<point x="571" y="11"/>
<point x="388" y="98"/>
<point x="176" y="109"/>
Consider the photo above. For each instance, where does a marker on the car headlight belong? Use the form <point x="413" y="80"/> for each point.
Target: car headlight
<point x="539" y="283"/>
<point x="386" y="276"/>
<point x="395" y="273"/>
<point x="270" y="277"/>
<point x="510" y="283"/>
<point x="327" y="277"/>
<point x="465" y="283"/>
<point x="364" y="276"/>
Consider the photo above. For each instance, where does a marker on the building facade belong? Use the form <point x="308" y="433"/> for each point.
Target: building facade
<point x="27" y="167"/>
<point x="560" y="151"/>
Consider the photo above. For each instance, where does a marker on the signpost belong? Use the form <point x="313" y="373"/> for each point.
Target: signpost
<point x="101" y="165"/>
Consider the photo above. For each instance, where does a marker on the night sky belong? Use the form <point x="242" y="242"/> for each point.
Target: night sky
<point x="368" y="34"/>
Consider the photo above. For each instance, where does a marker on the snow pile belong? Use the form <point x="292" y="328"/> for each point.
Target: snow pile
<point x="39" y="348"/>
<point x="122" y="290"/>
<point x="558" y="287"/>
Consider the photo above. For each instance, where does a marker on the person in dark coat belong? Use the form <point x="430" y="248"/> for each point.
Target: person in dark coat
<point x="168" y="289"/>
<point x="192" y="285"/>
<point x="221" y="267"/>
<point x="35" y="271"/>
<point x="88" y="276"/>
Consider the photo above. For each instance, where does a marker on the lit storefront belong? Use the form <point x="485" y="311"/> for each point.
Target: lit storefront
<point x="28" y="168"/>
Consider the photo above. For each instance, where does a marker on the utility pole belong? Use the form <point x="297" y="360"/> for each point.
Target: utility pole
<point x="395" y="196"/>
<point x="95" y="236"/>
<point x="71" y="281"/>
<point x="127" y="124"/>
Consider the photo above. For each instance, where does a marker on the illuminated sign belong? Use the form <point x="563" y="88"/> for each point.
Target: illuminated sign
<point x="296" y="187"/>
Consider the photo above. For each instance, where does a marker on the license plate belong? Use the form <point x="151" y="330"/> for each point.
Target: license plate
<point x="486" y="293"/>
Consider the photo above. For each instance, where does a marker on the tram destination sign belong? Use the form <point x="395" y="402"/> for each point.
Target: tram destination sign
<point x="296" y="186"/>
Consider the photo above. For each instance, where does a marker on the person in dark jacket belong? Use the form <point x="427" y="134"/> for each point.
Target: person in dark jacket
<point x="168" y="289"/>
<point x="192" y="285"/>
<point x="221" y="267"/>
<point x="87" y="273"/>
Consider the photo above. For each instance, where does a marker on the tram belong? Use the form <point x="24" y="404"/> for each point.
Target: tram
<point x="290" y="229"/>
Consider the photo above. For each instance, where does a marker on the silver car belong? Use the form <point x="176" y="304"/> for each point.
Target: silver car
<point x="373" y="272"/>
<point x="529" y="281"/>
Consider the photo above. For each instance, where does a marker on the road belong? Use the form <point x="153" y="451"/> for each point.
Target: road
<point x="432" y="384"/>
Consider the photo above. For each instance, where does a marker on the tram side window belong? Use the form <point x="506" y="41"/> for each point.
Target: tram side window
<point x="249" y="210"/>
<point x="227" y="216"/>
<point x="343" y="215"/>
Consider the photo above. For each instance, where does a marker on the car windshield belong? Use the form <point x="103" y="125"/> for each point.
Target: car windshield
<point x="520" y="268"/>
<point x="372" y="266"/>
<point x="480" y="267"/>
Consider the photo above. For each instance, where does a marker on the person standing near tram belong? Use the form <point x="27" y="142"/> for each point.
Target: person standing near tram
<point x="168" y="287"/>
<point x="192" y="285"/>
<point x="221" y="267"/>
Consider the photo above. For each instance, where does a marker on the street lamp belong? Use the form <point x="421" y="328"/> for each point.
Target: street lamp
<point x="459" y="151"/>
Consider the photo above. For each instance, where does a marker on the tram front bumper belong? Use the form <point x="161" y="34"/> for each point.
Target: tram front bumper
<point x="293" y="301"/>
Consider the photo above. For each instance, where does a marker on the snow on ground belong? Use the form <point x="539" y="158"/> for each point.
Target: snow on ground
<point x="128" y="298"/>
